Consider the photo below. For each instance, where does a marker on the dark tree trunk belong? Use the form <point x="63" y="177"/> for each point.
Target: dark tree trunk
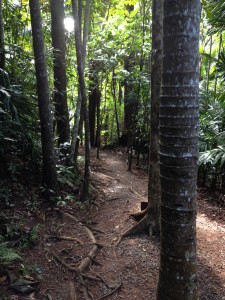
<point x="84" y="46"/>
<point x="115" y="105"/>
<point x="92" y="105"/>
<point x="49" y="168"/>
<point x="156" y="70"/>
<point x="82" y="86"/>
<point x="179" y="114"/>
<point x="98" y="132"/>
<point x="2" y="49"/>
<point x="129" y="96"/>
<point x="130" y="103"/>
<point x="60" y="95"/>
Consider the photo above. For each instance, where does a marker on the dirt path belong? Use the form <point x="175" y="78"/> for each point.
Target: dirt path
<point x="131" y="271"/>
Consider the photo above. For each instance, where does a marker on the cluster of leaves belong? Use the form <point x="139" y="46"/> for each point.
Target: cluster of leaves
<point x="212" y="100"/>
<point x="18" y="118"/>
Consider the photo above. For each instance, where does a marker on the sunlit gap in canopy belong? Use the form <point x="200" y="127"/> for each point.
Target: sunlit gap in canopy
<point x="69" y="24"/>
<point x="17" y="2"/>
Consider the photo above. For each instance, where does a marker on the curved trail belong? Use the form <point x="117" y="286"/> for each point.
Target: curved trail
<point x="130" y="272"/>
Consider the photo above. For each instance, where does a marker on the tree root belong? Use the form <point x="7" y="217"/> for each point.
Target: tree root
<point x="106" y="176"/>
<point x="70" y="268"/>
<point x="73" y="294"/>
<point x="87" y="260"/>
<point x="134" y="192"/>
<point x="135" y="229"/>
<point x="112" y="292"/>
<point x="67" y="238"/>
<point x="140" y="215"/>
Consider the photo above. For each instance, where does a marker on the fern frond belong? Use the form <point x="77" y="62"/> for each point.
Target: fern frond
<point x="8" y="255"/>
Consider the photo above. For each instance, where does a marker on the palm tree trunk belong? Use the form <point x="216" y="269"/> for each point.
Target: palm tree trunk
<point x="179" y="114"/>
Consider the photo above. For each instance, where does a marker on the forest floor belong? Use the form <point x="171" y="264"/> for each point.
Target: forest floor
<point x="79" y="235"/>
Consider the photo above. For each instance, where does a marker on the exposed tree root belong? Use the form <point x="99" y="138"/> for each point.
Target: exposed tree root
<point x="113" y="199"/>
<point x="134" y="192"/>
<point x="91" y="277"/>
<point x="73" y="294"/>
<point x="106" y="176"/>
<point x="137" y="228"/>
<point x="69" y="267"/>
<point x="139" y="215"/>
<point x="87" y="260"/>
<point x="67" y="238"/>
<point x="112" y="292"/>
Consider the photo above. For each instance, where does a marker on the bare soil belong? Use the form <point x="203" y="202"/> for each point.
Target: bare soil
<point x="129" y="271"/>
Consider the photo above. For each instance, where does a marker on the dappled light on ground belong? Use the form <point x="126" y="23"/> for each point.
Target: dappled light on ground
<point x="80" y="233"/>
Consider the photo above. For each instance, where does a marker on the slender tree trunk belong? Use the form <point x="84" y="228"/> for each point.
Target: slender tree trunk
<point x="84" y="49"/>
<point x="156" y="70"/>
<point x="129" y="94"/>
<point x="60" y="94"/>
<point x="179" y="114"/>
<point x="92" y="102"/>
<point x="129" y="97"/>
<point x="82" y="86"/>
<point x="115" y="106"/>
<point x="49" y="168"/>
<point x="2" y="50"/>
<point x="98" y="132"/>
<point x="216" y="77"/>
<point x="80" y="134"/>
<point x="208" y="73"/>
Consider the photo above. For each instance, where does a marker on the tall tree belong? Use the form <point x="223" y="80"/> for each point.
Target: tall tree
<point x="94" y="102"/>
<point x="82" y="87"/>
<point x="2" y="51"/>
<point x="59" y="47"/>
<point x="49" y="168"/>
<point x="130" y="104"/>
<point x="153" y="212"/>
<point x="179" y="114"/>
<point x="149" y="218"/>
<point x="78" y="14"/>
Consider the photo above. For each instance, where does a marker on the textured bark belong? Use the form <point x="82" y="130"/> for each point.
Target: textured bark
<point x="2" y="50"/>
<point x="115" y="104"/>
<point x="84" y="48"/>
<point x="82" y="87"/>
<point x="98" y="131"/>
<point x="49" y="169"/>
<point x="59" y="47"/>
<point x="93" y="94"/>
<point x="129" y="97"/>
<point x="179" y="114"/>
<point x="154" y="195"/>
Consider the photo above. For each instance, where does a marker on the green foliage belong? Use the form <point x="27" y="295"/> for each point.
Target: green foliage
<point x="66" y="174"/>
<point x="221" y="66"/>
<point x="215" y="11"/>
<point x="8" y="255"/>
<point x="17" y="118"/>
<point x="30" y="239"/>
<point x="5" y="194"/>
<point x="213" y="157"/>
